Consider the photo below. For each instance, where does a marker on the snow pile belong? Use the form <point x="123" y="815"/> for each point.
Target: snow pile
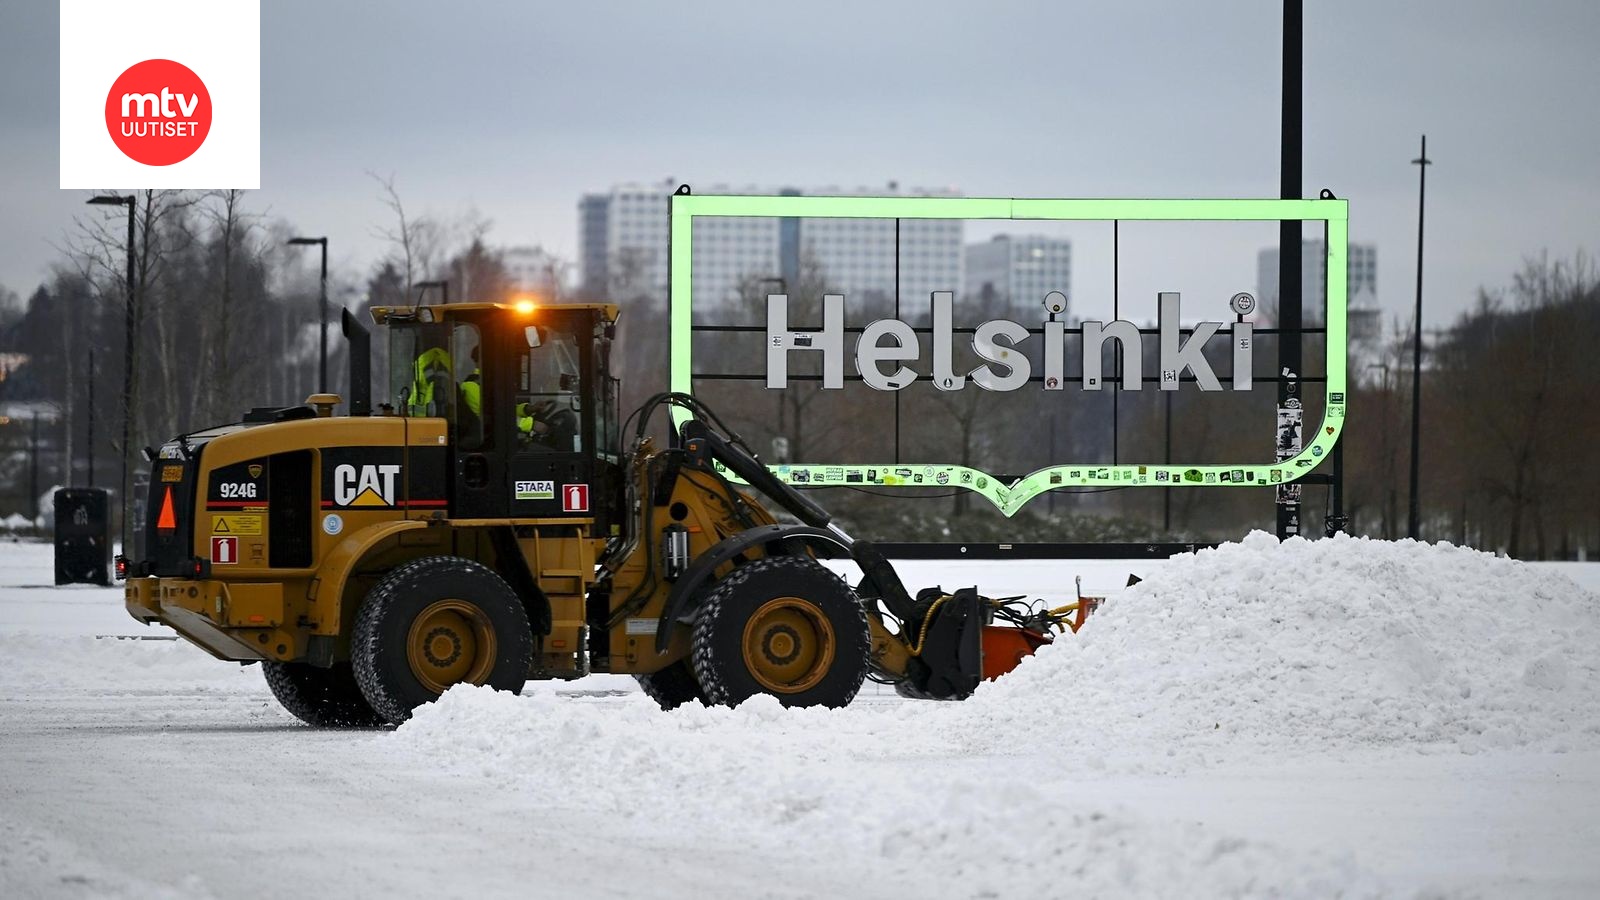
<point x="1314" y="645"/>
<point x="846" y="795"/>
<point x="1256" y="649"/>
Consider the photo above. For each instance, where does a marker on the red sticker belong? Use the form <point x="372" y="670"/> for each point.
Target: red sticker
<point x="224" y="551"/>
<point x="575" y="497"/>
<point x="158" y="112"/>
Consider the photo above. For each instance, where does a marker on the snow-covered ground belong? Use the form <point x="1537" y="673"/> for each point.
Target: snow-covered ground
<point x="1316" y="719"/>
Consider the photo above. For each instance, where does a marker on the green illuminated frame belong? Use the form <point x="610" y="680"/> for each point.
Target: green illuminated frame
<point x="1012" y="497"/>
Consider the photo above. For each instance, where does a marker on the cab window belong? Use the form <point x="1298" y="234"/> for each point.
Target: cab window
<point x="549" y="404"/>
<point x="471" y="411"/>
<point x="434" y="371"/>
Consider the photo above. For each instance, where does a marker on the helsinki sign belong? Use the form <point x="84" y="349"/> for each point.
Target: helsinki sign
<point x="885" y="345"/>
<point x="1003" y="370"/>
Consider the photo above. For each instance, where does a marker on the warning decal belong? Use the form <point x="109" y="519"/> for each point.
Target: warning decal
<point x="248" y="525"/>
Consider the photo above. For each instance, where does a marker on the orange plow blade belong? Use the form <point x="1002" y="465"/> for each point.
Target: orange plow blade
<point x="1006" y="646"/>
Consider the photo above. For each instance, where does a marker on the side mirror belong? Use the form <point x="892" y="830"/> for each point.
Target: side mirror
<point x="535" y="335"/>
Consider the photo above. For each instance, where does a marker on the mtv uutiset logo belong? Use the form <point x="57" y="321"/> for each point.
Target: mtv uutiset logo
<point x="160" y="94"/>
<point x="158" y="112"/>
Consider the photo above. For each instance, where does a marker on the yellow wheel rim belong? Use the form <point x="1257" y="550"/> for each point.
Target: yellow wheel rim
<point x="788" y="645"/>
<point x="450" y="642"/>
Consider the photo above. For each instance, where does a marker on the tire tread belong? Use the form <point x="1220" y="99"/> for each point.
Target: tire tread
<point x="703" y="655"/>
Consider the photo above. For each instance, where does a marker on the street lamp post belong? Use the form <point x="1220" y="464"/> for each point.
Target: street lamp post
<point x="1421" y="162"/>
<point x="127" y="363"/>
<point x="322" y="310"/>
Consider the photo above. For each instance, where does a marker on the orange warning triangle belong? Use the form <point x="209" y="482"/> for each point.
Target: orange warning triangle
<point x="221" y="526"/>
<point x="167" y="519"/>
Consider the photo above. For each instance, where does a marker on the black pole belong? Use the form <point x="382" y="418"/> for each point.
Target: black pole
<point x="1290" y="413"/>
<point x="1414" y="519"/>
<point x="322" y="313"/>
<point x="127" y="387"/>
<point x="33" y="468"/>
<point x="1052" y="459"/>
<point x="88" y="443"/>
<point x="1166" y="493"/>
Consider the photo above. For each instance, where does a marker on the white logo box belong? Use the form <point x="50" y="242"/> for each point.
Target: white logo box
<point x="219" y="39"/>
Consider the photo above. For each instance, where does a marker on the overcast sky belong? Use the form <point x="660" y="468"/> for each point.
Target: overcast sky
<point x="515" y="108"/>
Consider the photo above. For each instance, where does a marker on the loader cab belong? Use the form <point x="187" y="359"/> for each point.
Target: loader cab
<point x="529" y="401"/>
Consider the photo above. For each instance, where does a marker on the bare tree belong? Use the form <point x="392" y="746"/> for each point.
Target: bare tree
<point x="233" y="227"/>
<point x="416" y="240"/>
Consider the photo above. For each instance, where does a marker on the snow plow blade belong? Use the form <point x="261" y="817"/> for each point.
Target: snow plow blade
<point x="1006" y="646"/>
<point x="953" y="646"/>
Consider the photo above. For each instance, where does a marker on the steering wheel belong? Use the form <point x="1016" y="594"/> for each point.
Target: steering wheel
<point x="560" y="424"/>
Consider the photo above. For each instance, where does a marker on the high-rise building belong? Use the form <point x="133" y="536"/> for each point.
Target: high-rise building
<point x="593" y="215"/>
<point x="1363" y="315"/>
<point x="731" y="255"/>
<point x="1362" y="284"/>
<point x="1018" y="271"/>
<point x="635" y="257"/>
<point x="532" y="269"/>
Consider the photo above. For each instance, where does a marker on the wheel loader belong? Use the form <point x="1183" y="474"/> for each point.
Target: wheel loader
<point x="487" y="524"/>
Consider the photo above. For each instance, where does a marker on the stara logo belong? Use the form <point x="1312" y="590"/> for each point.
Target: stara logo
<point x="158" y="112"/>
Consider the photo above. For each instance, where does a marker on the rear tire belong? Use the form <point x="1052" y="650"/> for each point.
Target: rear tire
<point x="433" y="623"/>
<point x="783" y="626"/>
<point x="327" y="698"/>
<point x="673" y="686"/>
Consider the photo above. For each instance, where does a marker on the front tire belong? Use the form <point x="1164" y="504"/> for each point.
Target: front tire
<point x="783" y="626"/>
<point x="326" y="698"/>
<point x="433" y="623"/>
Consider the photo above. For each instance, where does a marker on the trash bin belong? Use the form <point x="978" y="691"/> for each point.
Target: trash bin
<point x="83" y="536"/>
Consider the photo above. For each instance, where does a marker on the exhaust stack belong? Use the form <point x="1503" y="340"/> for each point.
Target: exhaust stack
<point x="360" y="363"/>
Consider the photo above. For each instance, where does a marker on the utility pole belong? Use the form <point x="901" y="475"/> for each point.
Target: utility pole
<point x="1290" y="411"/>
<point x="1414" y="519"/>
<point x="125" y="489"/>
<point x="88" y="445"/>
<point x="33" y="468"/>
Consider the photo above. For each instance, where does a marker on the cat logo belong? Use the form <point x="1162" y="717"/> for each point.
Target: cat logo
<point x="368" y="486"/>
<point x="255" y="470"/>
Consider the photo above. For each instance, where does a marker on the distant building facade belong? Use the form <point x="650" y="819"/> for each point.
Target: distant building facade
<point x="593" y="221"/>
<point x="1018" y="270"/>
<point x="532" y="270"/>
<point x="1361" y="268"/>
<point x="623" y="246"/>
<point x="1364" y="317"/>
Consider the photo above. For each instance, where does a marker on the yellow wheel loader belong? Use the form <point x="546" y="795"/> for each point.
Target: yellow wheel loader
<point x="487" y="525"/>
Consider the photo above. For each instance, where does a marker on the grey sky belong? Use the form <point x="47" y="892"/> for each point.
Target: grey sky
<point x="515" y="108"/>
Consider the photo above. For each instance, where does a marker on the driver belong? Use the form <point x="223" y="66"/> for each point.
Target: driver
<point x="432" y="369"/>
